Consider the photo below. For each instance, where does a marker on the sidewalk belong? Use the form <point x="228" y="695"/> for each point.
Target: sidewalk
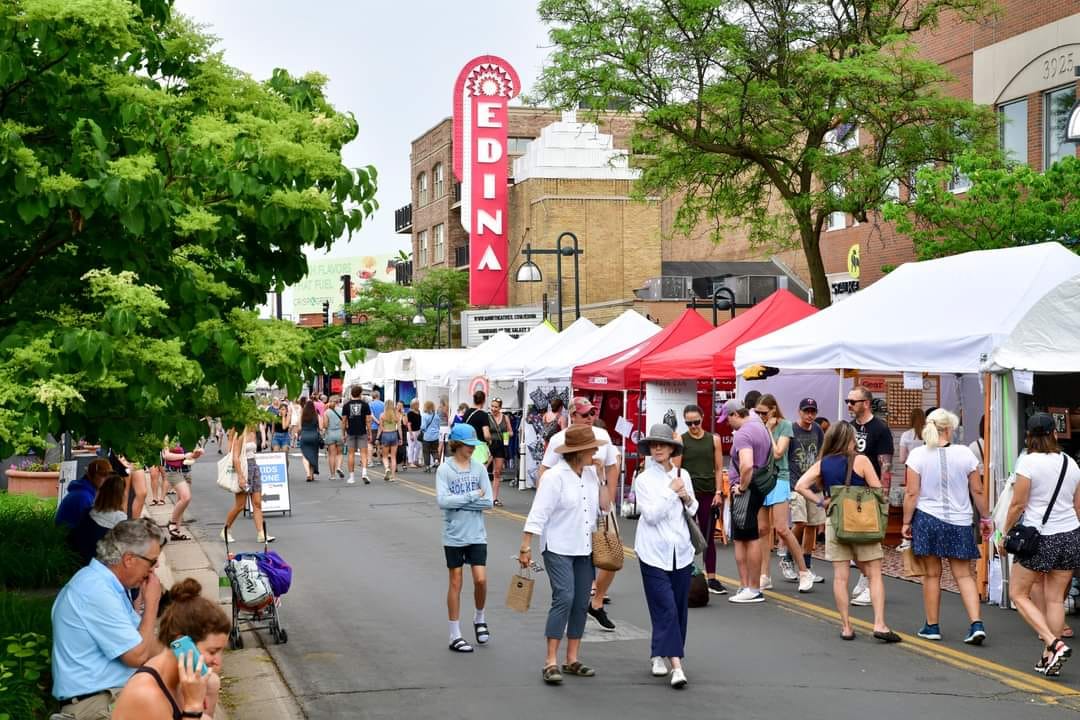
<point x="251" y="685"/>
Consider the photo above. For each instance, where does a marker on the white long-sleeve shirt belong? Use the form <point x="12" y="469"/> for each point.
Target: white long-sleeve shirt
<point x="564" y="510"/>
<point x="662" y="538"/>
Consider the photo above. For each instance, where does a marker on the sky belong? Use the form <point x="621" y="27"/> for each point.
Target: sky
<point x="392" y="63"/>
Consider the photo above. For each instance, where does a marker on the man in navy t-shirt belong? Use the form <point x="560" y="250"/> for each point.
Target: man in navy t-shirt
<point x="81" y="493"/>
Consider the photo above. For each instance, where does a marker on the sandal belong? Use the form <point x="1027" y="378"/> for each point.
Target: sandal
<point x="551" y="675"/>
<point x="482" y="633"/>
<point x="497" y="503"/>
<point x="1059" y="653"/>
<point x="847" y="636"/>
<point x="175" y="533"/>
<point x="1067" y="632"/>
<point x="460" y="645"/>
<point x="888" y="636"/>
<point x="579" y="669"/>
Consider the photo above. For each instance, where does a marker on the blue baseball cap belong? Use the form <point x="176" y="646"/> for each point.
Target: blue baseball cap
<point x="464" y="433"/>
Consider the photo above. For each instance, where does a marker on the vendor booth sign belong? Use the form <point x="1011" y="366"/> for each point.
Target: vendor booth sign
<point x="480" y="325"/>
<point x="665" y="401"/>
<point x="274" y="476"/>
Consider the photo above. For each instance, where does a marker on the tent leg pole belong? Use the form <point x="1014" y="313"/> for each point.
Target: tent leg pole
<point x="985" y="549"/>
<point x="622" y="470"/>
<point x="840" y="397"/>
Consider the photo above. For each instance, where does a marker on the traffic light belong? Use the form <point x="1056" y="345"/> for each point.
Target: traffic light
<point x="326" y="313"/>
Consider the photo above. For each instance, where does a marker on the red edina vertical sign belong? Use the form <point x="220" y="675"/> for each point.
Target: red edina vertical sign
<point x="482" y="92"/>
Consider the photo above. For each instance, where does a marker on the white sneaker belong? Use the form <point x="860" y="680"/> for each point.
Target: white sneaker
<point x="659" y="667"/>
<point x="746" y="595"/>
<point x="351" y="480"/>
<point x="678" y="678"/>
<point x="818" y="578"/>
<point x="787" y="569"/>
<point x="766" y="582"/>
<point x="862" y="599"/>
<point x="861" y="587"/>
<point x="225" y="532"/>
<point x="806" y="582"/>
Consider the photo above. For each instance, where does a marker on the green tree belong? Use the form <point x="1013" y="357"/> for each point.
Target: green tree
<point x="749" y="108"/>
<point x="1006" y="205"/>
<point x="150" y="196"/>
<point x="389" y="310"/>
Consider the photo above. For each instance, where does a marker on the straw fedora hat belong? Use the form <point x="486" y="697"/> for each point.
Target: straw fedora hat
<point x="662" y="433"/>
<point x="579" y="437"/>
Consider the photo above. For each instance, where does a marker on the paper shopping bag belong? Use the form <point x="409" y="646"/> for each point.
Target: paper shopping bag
<point x="913" y="564"/>
<point x="519" y="596"/>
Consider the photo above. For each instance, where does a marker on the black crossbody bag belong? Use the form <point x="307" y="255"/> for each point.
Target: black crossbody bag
<point x="1023" y="540"/>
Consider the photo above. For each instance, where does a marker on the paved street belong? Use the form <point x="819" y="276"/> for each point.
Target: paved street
<point x="367" y="632"/>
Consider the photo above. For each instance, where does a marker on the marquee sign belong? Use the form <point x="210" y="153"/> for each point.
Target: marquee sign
<point x="482" y="93"/>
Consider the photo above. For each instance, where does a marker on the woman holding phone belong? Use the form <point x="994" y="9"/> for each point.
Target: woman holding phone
<point x="183" y="680"/>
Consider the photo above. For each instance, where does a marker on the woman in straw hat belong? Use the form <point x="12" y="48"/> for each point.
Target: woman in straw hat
<point x="564" y="514"/>
<point x="665" y="553"/>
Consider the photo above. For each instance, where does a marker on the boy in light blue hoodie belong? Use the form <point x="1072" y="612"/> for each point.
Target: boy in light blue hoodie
<point x="463" y="491"/>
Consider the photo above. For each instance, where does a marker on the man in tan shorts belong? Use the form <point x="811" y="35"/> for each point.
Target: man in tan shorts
<point x="807" y="518"/>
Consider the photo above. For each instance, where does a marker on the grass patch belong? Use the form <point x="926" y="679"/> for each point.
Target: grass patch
<point x="35" y="553"/>
<point x="26" y="613"/>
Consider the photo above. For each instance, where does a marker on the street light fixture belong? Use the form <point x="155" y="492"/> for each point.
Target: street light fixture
<point x="728" y="303"/>
<point x="530" y="271"/>
<point x="442" y="302"/>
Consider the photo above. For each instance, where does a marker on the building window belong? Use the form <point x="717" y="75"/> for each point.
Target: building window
<point x="836" y="220"/>
<point x="1059" y="104"/>
<point x="438" y="181"/>
<point x="892" y="190"/>
<point x="421" y="249"/>
<point x="517" y="145"/>
<point x="1013" y="131"/>
<point x="439" y="240"/>
<point x="842" y="138"/>
<point x="421" y="189"/>
<point x="959" y="182"/>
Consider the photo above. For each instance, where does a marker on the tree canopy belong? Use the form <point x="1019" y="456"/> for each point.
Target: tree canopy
<point x="1006" y="205"/>
<point x="388" y="311"/>
<point x="770" y="114"/>
<point x="150" y="197"/>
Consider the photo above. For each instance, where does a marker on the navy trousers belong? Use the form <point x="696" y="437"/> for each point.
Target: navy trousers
<point x="667" y="593"/>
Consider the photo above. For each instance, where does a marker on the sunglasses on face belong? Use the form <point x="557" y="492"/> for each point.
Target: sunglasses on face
<point x="849" y="401"/>
<point x="590" y="413"/>
<point x="153" y="561"/>
<point x="762" y="413"/>
<point x="693" y="423"/>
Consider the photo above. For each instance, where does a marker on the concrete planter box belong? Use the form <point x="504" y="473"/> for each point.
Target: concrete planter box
<point x="43" y="484"/>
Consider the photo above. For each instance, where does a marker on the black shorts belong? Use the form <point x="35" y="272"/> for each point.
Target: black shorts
<point x="475" y="555"/>
<point x="744" y="512"/>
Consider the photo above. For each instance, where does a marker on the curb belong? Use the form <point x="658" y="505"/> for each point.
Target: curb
<point x="252" y="687"/>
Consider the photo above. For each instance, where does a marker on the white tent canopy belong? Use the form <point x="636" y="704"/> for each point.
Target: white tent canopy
<point x="623" y="332"/>
<point x="937" y="316"/>
<point x="476" y="360"/>
<point x="532" y="349"/>
<point x="1047" y="338"/>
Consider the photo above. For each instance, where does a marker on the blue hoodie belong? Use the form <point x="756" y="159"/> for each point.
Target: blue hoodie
<point x="78" y="501"/>
<point x="458" y="494"/>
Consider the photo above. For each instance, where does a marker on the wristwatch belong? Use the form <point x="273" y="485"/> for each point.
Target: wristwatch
<point x="191" y="714"/>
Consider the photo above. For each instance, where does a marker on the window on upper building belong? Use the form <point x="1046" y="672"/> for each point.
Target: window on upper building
<point x="892" y="190"/>
<point x="517" y="145"/>
<point x="439" y="241"/>
<point x="959" y="182"/>
<point x="1059" y="104"/>
<point x="438" y="181"/>
<point x="422" y="189"/>
<point x="421" y="249"/>
<point x="836" y="220"/>
<point x="1013" y="130"/>
<point x="842" y="138"/>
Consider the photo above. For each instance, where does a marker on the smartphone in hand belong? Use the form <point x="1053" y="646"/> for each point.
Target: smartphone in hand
<point x="183" y="645"/>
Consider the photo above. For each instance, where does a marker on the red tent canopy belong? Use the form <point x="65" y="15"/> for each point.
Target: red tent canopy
<point x="712" y="355"/>
<point x="622" y="370"/>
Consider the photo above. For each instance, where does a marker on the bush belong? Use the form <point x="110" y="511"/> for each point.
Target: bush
<point x="24" y="676"/>
<point x="35" y="552"/>
<point x="24" y="613"/>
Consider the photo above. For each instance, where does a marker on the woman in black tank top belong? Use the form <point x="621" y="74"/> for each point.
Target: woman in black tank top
<point x="168" y="688"/>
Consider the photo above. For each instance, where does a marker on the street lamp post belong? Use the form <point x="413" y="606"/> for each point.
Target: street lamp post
<point x="729" y="303"/>
<point x="530" y="271"/>
<point x="442" y="302"/>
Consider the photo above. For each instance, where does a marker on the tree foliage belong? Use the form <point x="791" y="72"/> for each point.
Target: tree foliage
<point x="745" y="104"/>
<point x="389" y="310"/>
<point x="150" y="196"/>
<point x="1006" y="205"/>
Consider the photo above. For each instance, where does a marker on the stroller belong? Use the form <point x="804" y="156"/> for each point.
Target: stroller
<point x="257" y="581"/>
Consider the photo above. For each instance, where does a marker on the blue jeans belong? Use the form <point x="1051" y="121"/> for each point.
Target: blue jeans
<point x="571" y="579"/>
<point x="667" y="594"/>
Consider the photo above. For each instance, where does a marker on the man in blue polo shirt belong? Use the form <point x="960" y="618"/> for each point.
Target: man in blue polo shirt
<point x="99" y="638"/>
<point x="81" y="493"/>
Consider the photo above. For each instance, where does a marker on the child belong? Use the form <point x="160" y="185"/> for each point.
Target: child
<point x="463" y="491"/>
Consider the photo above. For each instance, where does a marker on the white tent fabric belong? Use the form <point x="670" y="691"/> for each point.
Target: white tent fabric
<point x="476" y="360"/>
<point x="531" y="349"/>
<point x="623" y="332"/>
<point x="362" y="374"/>
<point x="938" y="316"/>
<point x="1047" y="338"/>
<point x="433" y="366"/>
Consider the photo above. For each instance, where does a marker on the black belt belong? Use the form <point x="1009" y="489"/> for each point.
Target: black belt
<point x="80" y="698"/>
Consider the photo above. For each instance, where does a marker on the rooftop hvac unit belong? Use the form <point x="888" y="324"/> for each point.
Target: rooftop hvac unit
<point x="667" y="287"/>
<point x="750" y="289"/>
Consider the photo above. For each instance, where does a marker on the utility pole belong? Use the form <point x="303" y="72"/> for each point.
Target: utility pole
<point x="346" y="286"/>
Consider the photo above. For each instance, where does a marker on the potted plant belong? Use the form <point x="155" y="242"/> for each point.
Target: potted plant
<point x="32" y="476"/>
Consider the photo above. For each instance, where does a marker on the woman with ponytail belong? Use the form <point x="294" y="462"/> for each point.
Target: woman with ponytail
<point x="942" y="479"/>
<point x="171" y="688"/>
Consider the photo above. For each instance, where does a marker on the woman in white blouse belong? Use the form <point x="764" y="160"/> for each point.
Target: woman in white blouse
<point x="564" y="514"/>
<point x="665" y="554"/>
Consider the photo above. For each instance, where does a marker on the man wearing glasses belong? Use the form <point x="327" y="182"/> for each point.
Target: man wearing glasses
<point x="99" y="637"/>
<point x="874" y="439"/>
<point x="583" y="412"/>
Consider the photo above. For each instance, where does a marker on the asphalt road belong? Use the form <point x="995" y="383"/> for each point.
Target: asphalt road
<point x="367" y="632"/>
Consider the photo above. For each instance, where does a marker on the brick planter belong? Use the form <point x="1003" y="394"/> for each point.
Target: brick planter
<point x="42" y="484"/>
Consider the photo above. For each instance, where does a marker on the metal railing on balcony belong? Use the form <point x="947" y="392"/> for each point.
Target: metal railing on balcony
<point x="461" y="256"/>
<point x="456" y="201"/>
<point x="403" y="219"/>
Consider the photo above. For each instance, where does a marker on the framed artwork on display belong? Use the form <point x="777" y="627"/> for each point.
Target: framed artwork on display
<point x="1062" y="426"/>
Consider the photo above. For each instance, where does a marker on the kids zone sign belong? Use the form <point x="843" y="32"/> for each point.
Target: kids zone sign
<point x="482" y="93"/>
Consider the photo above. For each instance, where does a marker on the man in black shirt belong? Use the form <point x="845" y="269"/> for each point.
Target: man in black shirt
<point x="478" y="418"/>
<point x="874" y="439"/>
<point x="357" y="415"/>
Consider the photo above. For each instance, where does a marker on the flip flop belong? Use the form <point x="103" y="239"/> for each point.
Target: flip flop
<point x="579" y="669"/>
<point x="460" y="645"/>
<point x="887" y="637"/>
<point x="551" y="675"/>
<point x="847" y="637"/>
